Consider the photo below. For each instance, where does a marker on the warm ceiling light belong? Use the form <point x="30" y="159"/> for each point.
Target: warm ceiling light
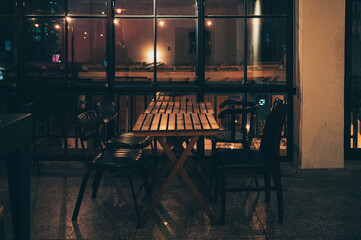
<point x="161" y="23"/>
<point x="57" y="26"/>
<point x="119" y="10"/>
<point x="116" y="21"/>
<point x="36" y="25"/>
<point x="84" y="37"/>
<point x="85" y="33"/>
<point x="68" y="19"/>
<point x="103" y="12"/>
<point x="101" y="35"/>
<point x="209" y="23"/>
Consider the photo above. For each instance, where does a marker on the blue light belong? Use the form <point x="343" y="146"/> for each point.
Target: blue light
<point x="261" y="102"/>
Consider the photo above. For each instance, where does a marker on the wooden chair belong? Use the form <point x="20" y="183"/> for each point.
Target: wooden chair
<point x="263" y="162"/>
<point x="245" y="118"/>
<point x="125" y="160"/>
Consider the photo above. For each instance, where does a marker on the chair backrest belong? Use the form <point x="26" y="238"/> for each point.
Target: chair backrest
<point x="247" y="108"/>
<point x="89" y="126"/>
<point x="106" y="111"/>
<point x="270" y="143"/>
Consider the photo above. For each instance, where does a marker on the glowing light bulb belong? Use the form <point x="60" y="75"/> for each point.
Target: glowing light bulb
<point x="116" y="21"/>
<point x="57" y="26"/>
<point x="119" y="10"/>
<point x="36" y="25"/>
<point x="68" y="19"/>
<point x="161" y="23"/>
<point x="209" y="23"/>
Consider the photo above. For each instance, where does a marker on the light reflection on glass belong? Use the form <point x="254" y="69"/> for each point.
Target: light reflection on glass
<point x="256" y="32"/>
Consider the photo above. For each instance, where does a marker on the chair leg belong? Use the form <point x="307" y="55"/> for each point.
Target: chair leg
<point x="222" y="186"/>
<point x="80" y="195"/>
<point x="134" y="197"/>
<point x="146" y="183"/>
<point x="267" y="184"/>
<point x="278" y="185"/>
<point x="96" y="182"/>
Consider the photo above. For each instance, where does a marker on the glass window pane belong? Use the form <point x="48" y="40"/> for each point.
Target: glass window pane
<point x="87" y="7"/>
<point x="7" y="52"/>
<point x="7" y="7"/>
<point x="134" y="46"/>
<point x="45" y="7"/>
<point x="266" y="51"/>
<point x="266" y="7"/>
<point x="355" y="86"/>
<point x="224" y="49"/>
<point x="224" y="7"/>
<point x="45" y="50"/>
<point x="48" y="117"/>
<point x="134" y="7"/>
<point x="176" y="50"/>
<point x="176" y="7"/>
<point x="87" y="49"/>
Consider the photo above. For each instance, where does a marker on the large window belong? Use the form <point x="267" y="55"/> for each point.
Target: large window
<point x="134" y="49"/>
<point x="246" y="41"/>
<point x="353" y="80"/>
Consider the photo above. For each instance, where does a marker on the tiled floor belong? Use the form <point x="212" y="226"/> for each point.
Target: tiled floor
<point x="317" y="206"/>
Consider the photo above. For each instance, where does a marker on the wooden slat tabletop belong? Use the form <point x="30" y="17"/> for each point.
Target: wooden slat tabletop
<point x="176" y="119"/>
<point x="179" y="107"/>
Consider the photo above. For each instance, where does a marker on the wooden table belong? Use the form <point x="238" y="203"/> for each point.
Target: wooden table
<point x="15" y="141"/>
<point x="180" y="122"/>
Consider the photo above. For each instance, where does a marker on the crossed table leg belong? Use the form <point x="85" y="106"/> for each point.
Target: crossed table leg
<point x="178" y="167"/>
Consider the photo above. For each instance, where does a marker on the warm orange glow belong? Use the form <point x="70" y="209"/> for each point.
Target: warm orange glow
<point x="119" y="10"/>
<point x="36" y="25"/>
<point x="85" y="33"/>
<point x="68" y="19"/>
<point x="57" y="26"/>
<point x="209" y="23"/>
<point x="116" y="21"/>
<point x="101" y="35"/>
<point x="161" y="23"/>
<point x="150" y="56"/>
<point x="84" y="37"/>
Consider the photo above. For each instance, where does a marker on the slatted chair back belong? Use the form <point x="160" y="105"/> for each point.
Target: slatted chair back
<point x="272" y="132"/>
<point x="247" y="109"/>
<point x="89" y="127"/>
<point x="106" y="111"/>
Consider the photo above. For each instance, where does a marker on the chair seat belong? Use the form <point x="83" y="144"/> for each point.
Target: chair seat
<point x="119" y="158"/>
<point x="128" y="140"/>
<point x="244" y="158"/>
<point x="226" y="136"/>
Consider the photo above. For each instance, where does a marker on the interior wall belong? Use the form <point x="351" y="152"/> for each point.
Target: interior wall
<point x="319" y="79"/>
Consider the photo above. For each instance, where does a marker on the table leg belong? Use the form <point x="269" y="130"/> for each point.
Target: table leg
<point x="190" y="184"/>
<point x="192" y="166"/>
<point x="171" y="176"/>
<point x="18" y="165"/>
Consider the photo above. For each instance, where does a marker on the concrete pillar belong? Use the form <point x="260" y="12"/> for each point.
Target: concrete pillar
<point x="319" y="78"/>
